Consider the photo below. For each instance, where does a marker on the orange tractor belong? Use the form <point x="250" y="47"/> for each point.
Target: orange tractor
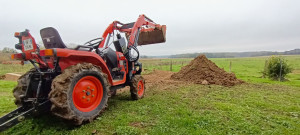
<point x="75" y="83"/>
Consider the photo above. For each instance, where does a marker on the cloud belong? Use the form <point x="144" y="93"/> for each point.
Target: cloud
<point x="192" y="26"/>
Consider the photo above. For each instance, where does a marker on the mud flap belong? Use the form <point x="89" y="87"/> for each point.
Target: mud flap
<point x="158" y="35"/>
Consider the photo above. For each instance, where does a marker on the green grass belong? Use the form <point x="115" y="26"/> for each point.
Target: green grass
<point x="247" y="69"/>
<point x="6" y="97"/>
<point x="14" y="68"/>
<point x="194" y="109"/>
<point x="261" y="106"/>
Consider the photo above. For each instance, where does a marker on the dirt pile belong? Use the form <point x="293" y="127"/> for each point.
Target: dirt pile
<point x="2" y="77"/>
<point x="203" y="71"/>
<point x="161" y="79"/>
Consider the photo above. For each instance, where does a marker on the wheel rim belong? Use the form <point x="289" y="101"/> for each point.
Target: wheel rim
<point x="87" y="93"/>
<point x="140" y="88"/>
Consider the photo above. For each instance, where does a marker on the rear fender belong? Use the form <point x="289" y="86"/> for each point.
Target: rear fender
<point x="68" y="57"/>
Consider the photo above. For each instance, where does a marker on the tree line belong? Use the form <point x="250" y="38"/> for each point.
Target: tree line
<point x="235" y="54"/>
<point x="8" y="50"/>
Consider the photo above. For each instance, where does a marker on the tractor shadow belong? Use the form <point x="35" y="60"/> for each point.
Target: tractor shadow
<point x="50" y="122"/>
<point x="121" y="97"/>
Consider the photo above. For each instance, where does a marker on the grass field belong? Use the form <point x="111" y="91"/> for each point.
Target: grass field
<point x="14" y="68"/>
<point x="261" y="106"/>
<point x="247" y="69"/>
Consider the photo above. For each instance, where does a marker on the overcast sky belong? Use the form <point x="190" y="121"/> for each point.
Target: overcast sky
<point x="192" y="25"/>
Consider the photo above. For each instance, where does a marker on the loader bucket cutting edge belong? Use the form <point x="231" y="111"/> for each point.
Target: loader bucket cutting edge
<point x="158" y="35"/>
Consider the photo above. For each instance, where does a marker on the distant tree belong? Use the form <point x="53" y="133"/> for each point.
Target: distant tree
<point x="276" y="68"/>
<point x="8" y="50"/>
<point x="144" y="56"/>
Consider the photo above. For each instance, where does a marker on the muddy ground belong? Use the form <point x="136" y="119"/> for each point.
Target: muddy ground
<point x="199" y="71"/>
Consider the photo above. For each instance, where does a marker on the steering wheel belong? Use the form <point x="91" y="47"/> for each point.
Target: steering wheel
<point x="93" y="42"/>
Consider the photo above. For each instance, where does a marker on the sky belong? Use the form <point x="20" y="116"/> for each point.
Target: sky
<point x="192" y="25"/>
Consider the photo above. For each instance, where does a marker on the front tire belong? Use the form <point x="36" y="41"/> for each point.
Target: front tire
<point x="137" y="87"/>
<point x="80" y="93"/>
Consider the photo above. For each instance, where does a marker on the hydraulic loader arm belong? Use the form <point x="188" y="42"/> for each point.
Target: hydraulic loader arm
<point x="143" y="31"/>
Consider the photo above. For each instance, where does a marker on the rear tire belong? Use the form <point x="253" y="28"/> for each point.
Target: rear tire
<point x="21" y="87"/>
<point x="80" y="93"/>
<point x="137" y="87"/>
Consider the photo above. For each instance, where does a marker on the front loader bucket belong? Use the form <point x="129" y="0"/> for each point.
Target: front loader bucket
<point x="158" y="35"/>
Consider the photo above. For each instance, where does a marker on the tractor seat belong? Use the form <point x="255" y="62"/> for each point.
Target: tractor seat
<point x="110" y="57"/>
<point x="51" y="38"/>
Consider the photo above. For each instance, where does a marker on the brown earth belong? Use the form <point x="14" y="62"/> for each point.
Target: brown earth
<point x="12" y="76"/>
<point x="162" y="80"/>
<point x="296" y="71"/>
<point x="158" y="79"/>
<point x="11" y="62"/>
<point x="2" y="77"/>
<point x="203" y="71"/>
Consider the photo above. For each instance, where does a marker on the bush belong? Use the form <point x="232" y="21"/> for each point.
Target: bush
<point x="273" y="66"/>
<point x="8" y="50"/>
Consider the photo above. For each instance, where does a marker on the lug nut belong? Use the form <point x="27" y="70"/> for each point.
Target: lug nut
<point x="83" y="97"/>
<point x="88" y="93"/>
<point x="93" y="95"/>
<point x="88" y="99"/>
<point x="92" y="89"/>
<point x="83" y="90"/>
<point x="88" y="87"/>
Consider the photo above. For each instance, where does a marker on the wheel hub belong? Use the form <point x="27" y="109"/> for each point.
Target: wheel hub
<point x="87" y="93"/>
<point x="140" y="88"/>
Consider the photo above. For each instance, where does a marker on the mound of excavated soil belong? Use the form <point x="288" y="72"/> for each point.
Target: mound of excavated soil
<point x="203" y="71"/>
<point x="2" y="77"/>
<point x="161" y="79"/>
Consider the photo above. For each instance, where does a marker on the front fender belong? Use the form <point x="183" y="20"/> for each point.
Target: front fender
<point x="68" y="57"/>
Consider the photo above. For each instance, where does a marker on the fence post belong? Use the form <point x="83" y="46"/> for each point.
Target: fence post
<point x="280" y="70"/>
<point x="265" y="69"/>
<point x="230" y="67"/>
<point x="171" y="66"/>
